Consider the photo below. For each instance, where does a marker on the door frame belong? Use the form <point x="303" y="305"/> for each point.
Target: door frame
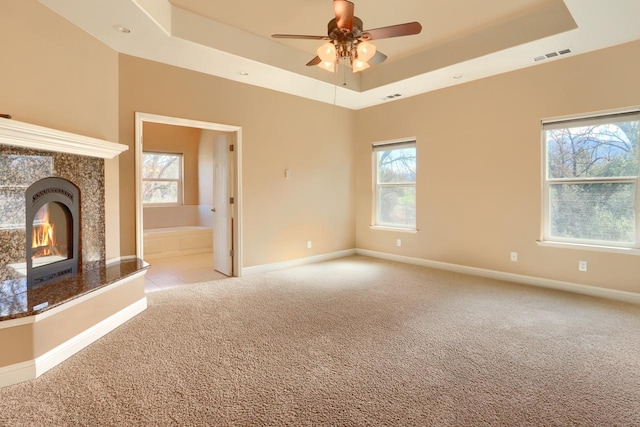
<point x="236" y="209"/>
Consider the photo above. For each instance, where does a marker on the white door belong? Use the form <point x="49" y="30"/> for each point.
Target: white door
<point x="222" y="245"/>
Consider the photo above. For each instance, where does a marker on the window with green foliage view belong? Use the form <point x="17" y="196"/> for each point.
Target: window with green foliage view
<point x="395" y="185"/>
<point x="161" y="179"/>
<point x="591" y="181"/>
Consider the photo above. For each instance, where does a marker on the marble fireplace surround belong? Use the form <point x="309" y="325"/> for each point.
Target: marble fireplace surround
<point x="43" y="326"/>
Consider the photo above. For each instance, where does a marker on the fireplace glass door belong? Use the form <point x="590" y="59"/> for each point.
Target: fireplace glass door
<point x="53" y="227"/>
<point x="51" y="239"/>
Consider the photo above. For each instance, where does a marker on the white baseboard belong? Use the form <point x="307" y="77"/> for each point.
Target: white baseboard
<point x="594" y="291"/>
<point x="265" y="268"/>
<point x="32" y="369"/>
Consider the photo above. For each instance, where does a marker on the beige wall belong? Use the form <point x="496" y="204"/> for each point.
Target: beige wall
<point x="21" y="347"/>
<point x="479" y="166"/>
<point x="279" y="131"/>
<point x="54" y="74"/>
<point x="170" y="216"/>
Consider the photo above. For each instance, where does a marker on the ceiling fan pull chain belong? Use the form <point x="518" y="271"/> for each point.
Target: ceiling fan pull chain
<point x="344" y="76"/>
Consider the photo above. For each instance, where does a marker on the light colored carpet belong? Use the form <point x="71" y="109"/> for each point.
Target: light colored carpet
<point x="355" y="341"/>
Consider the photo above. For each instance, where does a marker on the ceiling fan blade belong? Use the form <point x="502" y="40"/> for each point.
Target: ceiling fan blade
<point x="399" y="30"/>
<point x="298" y="36"/>
<point x="344" y="14"/>
<point x="314" y="61"/>
<point x="378" y="58"/>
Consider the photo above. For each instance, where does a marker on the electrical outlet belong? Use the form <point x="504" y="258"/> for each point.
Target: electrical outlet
<point x="514" y="256"/>
<point x="308" y="244"/>
<point x="582" y="265"/>
<point x="399" y="242"/>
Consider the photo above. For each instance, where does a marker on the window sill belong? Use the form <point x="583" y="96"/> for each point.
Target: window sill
<point x="396" y="229"/>
<point x="583" y="247"/>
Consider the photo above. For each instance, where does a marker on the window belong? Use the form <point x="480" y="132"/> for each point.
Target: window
<point x="161" y="179"/>
<point x="591" y="180"/>
<point x="394" y="179"/>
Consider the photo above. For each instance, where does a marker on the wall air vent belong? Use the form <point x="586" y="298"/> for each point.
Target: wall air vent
<point x="552" y="55"/>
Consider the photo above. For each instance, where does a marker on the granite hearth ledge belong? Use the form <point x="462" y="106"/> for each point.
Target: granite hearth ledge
<point x="17" y="301"/>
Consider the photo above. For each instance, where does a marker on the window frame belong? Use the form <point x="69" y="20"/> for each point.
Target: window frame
<point x="180" y="180"/>
<point x="547" y="239"/>
<point x="375" y="190"/>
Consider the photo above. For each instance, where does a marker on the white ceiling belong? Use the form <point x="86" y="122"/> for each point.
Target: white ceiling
<point x="461" y="40"/>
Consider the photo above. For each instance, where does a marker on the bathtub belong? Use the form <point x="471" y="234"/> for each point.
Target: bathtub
<point x="177" y="241"/>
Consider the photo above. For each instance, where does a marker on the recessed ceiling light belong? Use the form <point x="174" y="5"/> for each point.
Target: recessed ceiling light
<point x="243" y="73"/>
<point x="122" y="29"/>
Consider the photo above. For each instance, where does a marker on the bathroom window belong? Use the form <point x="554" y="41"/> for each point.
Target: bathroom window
<point x="162" y="179"/>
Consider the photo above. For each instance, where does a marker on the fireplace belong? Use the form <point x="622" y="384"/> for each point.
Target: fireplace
<point x="53" y="250"/>
<point x="52" y="232"/>
<point x="66" y="188"/>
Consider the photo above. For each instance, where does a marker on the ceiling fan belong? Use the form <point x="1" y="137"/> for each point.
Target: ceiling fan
<point x="347" y="39"/>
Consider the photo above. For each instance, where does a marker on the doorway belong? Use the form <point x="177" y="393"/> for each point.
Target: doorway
<point x="226" y="200"/>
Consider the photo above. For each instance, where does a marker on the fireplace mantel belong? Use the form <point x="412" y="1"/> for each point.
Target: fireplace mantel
<point x="26" y="135"/>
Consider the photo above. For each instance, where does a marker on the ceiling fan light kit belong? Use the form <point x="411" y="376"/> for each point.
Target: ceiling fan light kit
<point x="327" y="53"/>
<point x="366" y="51"/>
<point x="359" y="65"/>
<point x="346" y="40"/>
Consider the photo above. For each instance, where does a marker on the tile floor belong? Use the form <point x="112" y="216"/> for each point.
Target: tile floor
<point x="177" y="271"/>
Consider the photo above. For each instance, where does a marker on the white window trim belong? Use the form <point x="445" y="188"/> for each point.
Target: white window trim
<point x="394" y="229"/>
<point x="380" y="146"/>
<point x="586" y="247"/>
<point x="546" y="239"/>
<point x="180" y="181"/>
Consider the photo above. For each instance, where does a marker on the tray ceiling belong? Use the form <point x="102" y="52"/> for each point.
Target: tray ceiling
<point x="460" y="41"/>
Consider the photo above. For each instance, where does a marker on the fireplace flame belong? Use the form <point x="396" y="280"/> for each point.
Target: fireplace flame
<point x="43" y="242"/>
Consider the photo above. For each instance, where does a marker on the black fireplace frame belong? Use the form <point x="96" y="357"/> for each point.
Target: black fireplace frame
<point x="67" y="194"/>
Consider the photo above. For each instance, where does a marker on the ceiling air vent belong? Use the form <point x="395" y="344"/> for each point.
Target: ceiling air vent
<point x="552" y="55"/>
